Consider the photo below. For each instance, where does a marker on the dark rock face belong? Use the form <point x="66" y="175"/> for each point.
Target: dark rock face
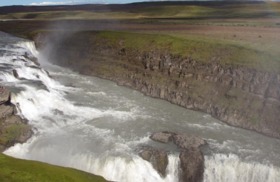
<point x="191" y="157"/>
<point x="13" y="129"/>
<point x="192" y="165"/>
<point x="158" y="159"/>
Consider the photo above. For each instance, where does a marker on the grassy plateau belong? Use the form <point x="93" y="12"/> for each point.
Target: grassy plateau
<point x="243" y="33"/>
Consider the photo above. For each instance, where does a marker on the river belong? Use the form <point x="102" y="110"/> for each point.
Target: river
<point x="97" y="126"/>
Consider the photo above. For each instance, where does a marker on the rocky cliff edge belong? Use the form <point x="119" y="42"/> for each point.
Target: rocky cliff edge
<point x="13" y="129"/>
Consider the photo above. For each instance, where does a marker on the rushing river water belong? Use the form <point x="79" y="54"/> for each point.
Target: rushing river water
<point x="96" y="126"/>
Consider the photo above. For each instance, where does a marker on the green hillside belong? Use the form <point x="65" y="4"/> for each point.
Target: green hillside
<point x="17" y="170"/>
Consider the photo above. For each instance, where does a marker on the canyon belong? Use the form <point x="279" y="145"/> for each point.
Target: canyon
<point x="239" y="95"/>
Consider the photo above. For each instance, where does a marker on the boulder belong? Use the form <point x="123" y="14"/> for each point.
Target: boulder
<point x="182" y="141"/>
<point x="191" y="157"/>
<point x="158" y="158"/>
<point x="192" y="165"/>
<point x="4" y="95"/>
<point x="162" y="137"/>
<point x="185" y="141"/>
<point x="15" y="73"/>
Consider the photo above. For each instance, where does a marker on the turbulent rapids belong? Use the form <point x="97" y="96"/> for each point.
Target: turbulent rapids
<point x="96" y="126"/>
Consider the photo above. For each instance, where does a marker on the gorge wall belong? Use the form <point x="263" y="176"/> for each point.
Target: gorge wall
<point x="239" y="95"/>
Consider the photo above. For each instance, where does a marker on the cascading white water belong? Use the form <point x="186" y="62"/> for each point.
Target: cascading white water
<point x="96" y="126"/>
<point x="50" y="113"/>
<point x="231" y="168"/>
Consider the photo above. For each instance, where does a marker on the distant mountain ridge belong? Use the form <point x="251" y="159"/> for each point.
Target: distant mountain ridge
<point x="116" y="7"/>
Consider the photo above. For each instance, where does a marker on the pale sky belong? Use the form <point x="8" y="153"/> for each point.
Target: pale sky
<point x="60" y="2"/>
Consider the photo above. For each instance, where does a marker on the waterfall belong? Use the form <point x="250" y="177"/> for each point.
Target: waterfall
<point x="87" y="136"/>
<point x="42" y="101"/>
<point x="230" y="168"/>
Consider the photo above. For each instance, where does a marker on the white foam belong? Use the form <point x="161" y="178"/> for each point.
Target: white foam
<point x="230" y="168"/>
<point x="29" y="47"/>
<point x="125" y="169"/>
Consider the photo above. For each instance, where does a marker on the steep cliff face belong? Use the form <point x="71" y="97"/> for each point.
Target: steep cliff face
<point x="239" y="95"/>
<point x="13" y="129"/>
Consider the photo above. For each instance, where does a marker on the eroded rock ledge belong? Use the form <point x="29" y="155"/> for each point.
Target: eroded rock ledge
<point x="13" y="129"/>
<point x="191" y="157"/>
<point x="239" y="95"/>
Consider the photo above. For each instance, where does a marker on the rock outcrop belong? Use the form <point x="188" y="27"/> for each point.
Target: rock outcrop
<point x="4" y="95"/>
<point x="192" y="165"/>
<point x="191" y="157"/>
<point x="182" y="141"/>
<point x="163" y="137"/>
<point x="13" y="129"/>
<point x="186" y="142"/>
<point x="158" y="158"/>
<point x="239" y="95"/>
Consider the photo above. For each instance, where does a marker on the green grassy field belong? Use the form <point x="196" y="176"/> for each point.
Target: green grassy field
<point x="17" y="170"/>
<point x="155" y="11"/>
<point x="249" y="30"/>
<point x="204" y="50"/>
<point x="252" y="52"/>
